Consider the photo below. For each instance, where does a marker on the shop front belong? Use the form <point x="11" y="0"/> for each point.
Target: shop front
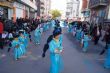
<point x="6" y="9"/>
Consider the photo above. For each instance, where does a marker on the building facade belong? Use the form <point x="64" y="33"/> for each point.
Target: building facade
<point x="99" y="11"/>
<point x="107" y="19"/>
<point x="47" y="7"/>
<point x="73" y="9"/>
<point x="44" y="7"/>
<point x="41" y="8"/>
<point x="85" y="10"/>
<point x="6" y="9"/>
<point x="18" y="9"/>
<point x="25" y="8"/>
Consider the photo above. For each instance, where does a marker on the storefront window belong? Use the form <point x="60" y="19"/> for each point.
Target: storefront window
<point x="4" y="12"/>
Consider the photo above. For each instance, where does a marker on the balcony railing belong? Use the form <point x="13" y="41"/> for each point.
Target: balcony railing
<point x="97" y="3"/>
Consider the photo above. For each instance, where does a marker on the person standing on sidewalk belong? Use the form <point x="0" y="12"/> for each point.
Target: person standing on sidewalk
<point x="96" y="34"/>
<point x="106" y="39"/>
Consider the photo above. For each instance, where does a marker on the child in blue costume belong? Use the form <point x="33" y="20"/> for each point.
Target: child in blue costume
<point x="47" y="25"/>
<point x="78" y="34"/>
<point x="70" y="28"/>
<point x="17" y="49"/>
<point x="45" y="28"/>
<point x="37" y="34"/>
<point x="74" y="30"/>
<point x="58" y="29"/>
<point x="22" y="42"/>
<point x="61" y="39"/>
<point x="26" y="36"/>
<point x="86" y="40"/>
<point x="55" y="53"/>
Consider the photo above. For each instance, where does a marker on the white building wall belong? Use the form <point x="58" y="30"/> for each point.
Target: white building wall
<point x="31" y="4"/>
<point x="80" y="10"/>
<point x="19" y="13"/>
<point x="19" y="9"/>
<point x="74" y="13"/>
<point x="47" y="6"/>
<point x="10" y="13"/>
<point x="75" y="10"/>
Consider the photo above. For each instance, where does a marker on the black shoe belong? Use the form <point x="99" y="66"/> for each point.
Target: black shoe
<point x="9" y="49"/>
<point x="43" y="55"/>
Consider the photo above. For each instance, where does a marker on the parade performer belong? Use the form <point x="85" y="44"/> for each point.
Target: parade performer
<point x="37" y="34"/>
<point x="22" y="42"/>
<point x="55" y="53"/>
<point x="69" y="28"/>
<point x="78" y="34"/>
<point x="26" y="36"/>
<point x="46" y="46"/>
<point x="85" y="41"/>
<point x="53" y="23"/>
<point x="74" y="30"/>
<point x="17" y="49"/>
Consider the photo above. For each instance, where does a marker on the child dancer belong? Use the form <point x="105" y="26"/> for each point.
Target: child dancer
<point x="78" y="34"/>
<point x="16" y="46"/>
<point x="85" y="41"/>
<point x="22" y="42"/>
<point x="37" y="35"/>
<point x="55" y="53"/>
<point x="26" y="36"/>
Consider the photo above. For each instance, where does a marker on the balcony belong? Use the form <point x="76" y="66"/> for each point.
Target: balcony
<point x="98" y="3"/>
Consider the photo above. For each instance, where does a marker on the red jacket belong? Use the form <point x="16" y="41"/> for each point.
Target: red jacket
<point x="1" y="27"/>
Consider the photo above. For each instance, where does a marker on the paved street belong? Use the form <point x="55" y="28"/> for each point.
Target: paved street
<point x="75" y="61"/>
